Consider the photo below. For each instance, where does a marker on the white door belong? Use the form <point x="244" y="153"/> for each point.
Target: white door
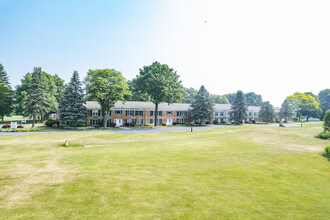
<point x="169" y="121"/>
<point x="119" y="122"/>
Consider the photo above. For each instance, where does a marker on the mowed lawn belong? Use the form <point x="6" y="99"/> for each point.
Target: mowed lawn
<point x="248" y="172"/>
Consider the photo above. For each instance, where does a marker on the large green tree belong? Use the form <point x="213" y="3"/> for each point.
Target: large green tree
<point x="267" y="113"/>
<point x="136" y="95"/>
<point x="253" y="99"/>
<point x="324" y="99"/>
<point x="161" y="83"/>
<point x="220" y="99"/>
<point x="107" y="86"/>
<point x="189" y="95"/>
<point x="6" y="94"/>
<point x="230" y="97"/>
<point x="286" y="110"/>
<point x="239" y="108"/>
<point x="73" y="111"/>
<point x="35" y="104"/>
<point x="202" y="106"/>
<point x="54" y="87"/>
<point x="326" y="123"/>
<point x="305" y="105"/>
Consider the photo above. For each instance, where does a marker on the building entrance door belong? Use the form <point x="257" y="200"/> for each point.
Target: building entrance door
<point x="169" y="121"/>
<point x="119" y="122"/>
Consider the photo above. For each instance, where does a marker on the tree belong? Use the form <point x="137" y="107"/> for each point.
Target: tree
<point x="73" y="111"/>
<point x="36" y="102"/>
<point x="202" y="106"/>
<point x="305" y="105"/>
<point x="286" y="110"/>
<point x="189" y="94"/>
<point x="220" y="99"/>
<point x="266" y="112"/>
<point x="136" y="95"/>
<point x="6" y="94"/>
<point x="161" y="83"/>
<point x="238" y="109"/>
<point x="326" y="123"/>
<point x="324" y="99"/>
<point x="107" y="86"/>
<point x="253" y="99"/>
<point x="231" y="97"/>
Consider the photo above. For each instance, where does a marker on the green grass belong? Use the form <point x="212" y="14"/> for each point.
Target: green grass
<point x="244" y="172"/>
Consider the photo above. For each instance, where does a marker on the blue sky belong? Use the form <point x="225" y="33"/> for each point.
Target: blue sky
<point x="273" y="48"/>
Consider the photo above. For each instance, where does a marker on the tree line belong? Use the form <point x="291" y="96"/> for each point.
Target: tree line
<point x="40" y="94"/>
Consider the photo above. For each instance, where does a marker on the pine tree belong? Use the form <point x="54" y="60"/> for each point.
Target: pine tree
<point x="202" y="106"/>
<point x="36" y="102"/>
<point x="239" y="108"/>
<point x="6" y="94"/>
<point x="267" y="113"/>
<point x="73" y="111"/>
<point x="286" y="110"/>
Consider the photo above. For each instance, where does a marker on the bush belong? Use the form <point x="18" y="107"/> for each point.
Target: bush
<point x="20" y="126"/>
<point x="324" y="135"/>
<point x="327" y="152"/>
<point x="326" y="123"/>
<point x="247" y="122"/>
<point x="253" y="121"/>
<point x="6" y="126"/>
<point x="50" y="122"/>
<point x="164" y="124"/>
<point x="295" y="119"/>
<point x="175" y="123"/>
<point x="215" y="122"/>
<point x="112" y="124"/>
<point x="207" y="122"/>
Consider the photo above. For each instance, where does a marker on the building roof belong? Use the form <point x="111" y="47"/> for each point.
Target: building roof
<point x="149" y="106"/>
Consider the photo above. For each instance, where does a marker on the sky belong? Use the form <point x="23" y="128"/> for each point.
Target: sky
<point x="272" y="48"/>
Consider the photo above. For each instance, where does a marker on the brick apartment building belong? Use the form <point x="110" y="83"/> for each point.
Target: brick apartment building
<point x="142" y="113"/>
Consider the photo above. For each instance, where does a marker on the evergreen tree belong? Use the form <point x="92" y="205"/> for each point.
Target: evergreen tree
<point x="267" y="113"/>
<point x="6" y="94"/>
<point x="202" y="106"/>
<point x="36" y="102"/>
<point x="73" y="111"/>
<point x="238" y="109"/>
<point x="326" y="123"/>
<point x="286" y="110"/>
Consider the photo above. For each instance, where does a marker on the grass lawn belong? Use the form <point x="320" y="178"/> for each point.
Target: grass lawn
<point x="247" y="172"/>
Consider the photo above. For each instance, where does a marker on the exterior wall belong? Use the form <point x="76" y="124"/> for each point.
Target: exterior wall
<point x="147" y="116"/>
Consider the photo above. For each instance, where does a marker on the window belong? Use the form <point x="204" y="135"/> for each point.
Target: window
<point x="151" y="121"/>
<point x="181" y="113"/>
<point x="109" y="121"/>
<point x="159" y="121"/>
<point x="250" y="113"/>
<point x="160" y="113"/>
<point x="216" y="113"/>
<point x="138" y="113"/>
<point x="95" y="112"/>
<point x="129" y="113"/>
<point x="118" y="112"/>
<point x="129" y="120"/>
<point x="110" y="113"/>
<point x="221" y="113"/>
<point x="256" y="114"/>
<point x="169" y="112"/>
<point x="139" y="121"/>
<point x="182" y="120"/>
<point x="95" y="122"/>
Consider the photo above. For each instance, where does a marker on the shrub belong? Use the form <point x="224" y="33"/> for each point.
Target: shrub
<point x="247" y="122"/>
<point x="326" y="123"/>
<point x="215" y="122"/>
<point x="50" y="122"/>
<point x="295" y="119"/>
<point x="20" y="126"/>
<point x="112" y="124"/>
<point x="175" y="123"/>
<point x="126" y="124"/>
<point x="6" y="126"/>
<point x="327" y="152"/>
<point x="324" y="135"/>
<point x="163" y="124"/>
<point x="253" y="121"/>
<point x="207" y="122"/>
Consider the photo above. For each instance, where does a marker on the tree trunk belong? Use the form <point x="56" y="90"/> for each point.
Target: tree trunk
<point x="307" y="118"/>
<point x="34" y="118"/>
<point x="156" y="114"/>
<point x="105" y="119"/>
<point x="2" y="117"/>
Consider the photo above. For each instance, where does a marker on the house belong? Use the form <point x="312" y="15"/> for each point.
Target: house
<point x="142" y="113"/>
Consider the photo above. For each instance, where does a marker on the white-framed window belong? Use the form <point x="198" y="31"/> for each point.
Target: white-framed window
<point x="159" y="121"/>
<point x="139" y="121"/>
<point x="182" y="113"/>
<point x="169" y="112"/>
<point x="129" y="120"/>
<point x="216" y="113"/>
<point x="221" y="113"/>
<point x="95" y="122"/>
<point x="256" y="114"/>
<point x="129" y="113"/>
<point x="118" y="112"/>
<point x="250" y="113"/>
<point x="95" y="112"/>
<point x="182" y="120"/>
<point x="160" y="113"/>
<point x="138" y="113"/>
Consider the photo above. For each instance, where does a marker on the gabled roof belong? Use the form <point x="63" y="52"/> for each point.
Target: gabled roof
<point x="149" y="106"/>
